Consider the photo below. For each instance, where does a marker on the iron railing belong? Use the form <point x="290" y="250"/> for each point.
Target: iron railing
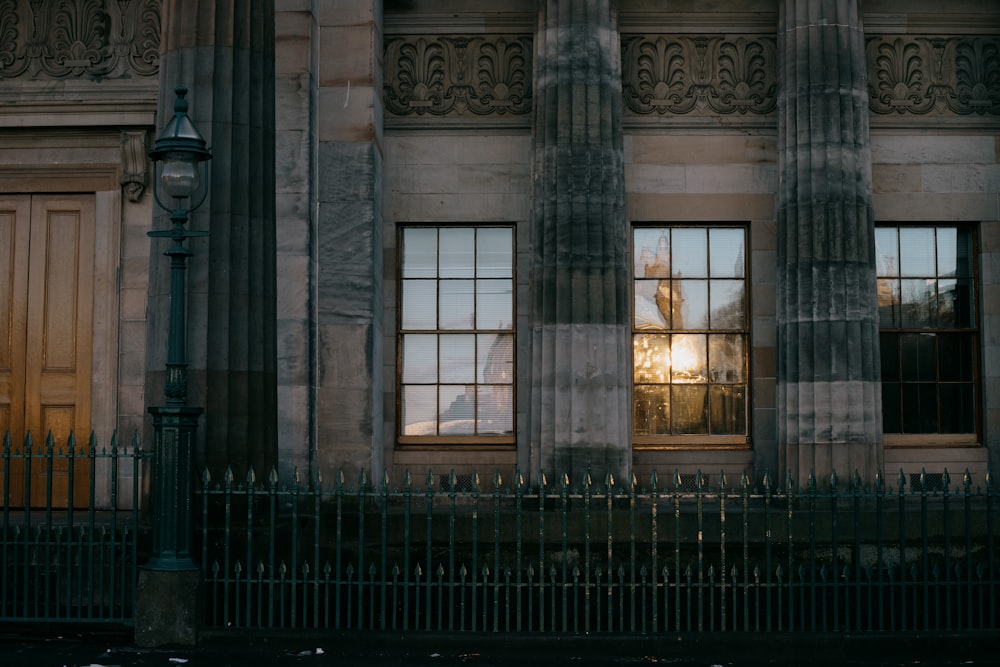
<point x="68" y="549"/>
<point x="597" y="558"/>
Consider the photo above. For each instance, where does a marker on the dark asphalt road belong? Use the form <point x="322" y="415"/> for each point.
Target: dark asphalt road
<point x="39" y="649"/>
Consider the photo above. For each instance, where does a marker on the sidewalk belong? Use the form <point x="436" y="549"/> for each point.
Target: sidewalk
<point x="91" y="649"/>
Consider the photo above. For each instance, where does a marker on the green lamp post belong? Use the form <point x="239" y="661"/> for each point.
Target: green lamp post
<point x="177" y="156"/>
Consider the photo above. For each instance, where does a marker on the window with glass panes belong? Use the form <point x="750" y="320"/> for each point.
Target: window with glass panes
<point x="689" y="335"/>
<point x="927" y="329"/>
<point x="456" y="335"/>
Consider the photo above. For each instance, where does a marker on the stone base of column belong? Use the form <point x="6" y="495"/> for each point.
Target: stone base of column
<point x="168" y="608"/>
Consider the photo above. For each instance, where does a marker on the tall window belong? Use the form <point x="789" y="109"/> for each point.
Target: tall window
<point x="928" y="334"/>
<point x="689" y="336"/>
<point x="456" y="340"/>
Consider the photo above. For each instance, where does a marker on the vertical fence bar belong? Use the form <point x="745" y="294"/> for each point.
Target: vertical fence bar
<point x="564" y="556"/>
<point x="497" y="485"/>
<point x="407" y="518"/>
<point x="654" y="541"/>
<point x="587" y="488"/>
<point x="541" y="551"/>
<point x="452" y="492"/>
<point x="901" y="515"/>
<point x="722" y="551"/>
<point x="519" y="544"/>
<point x="991" y="550"/>
<point x="475" y="546"/>
<point x="383" y="569"/>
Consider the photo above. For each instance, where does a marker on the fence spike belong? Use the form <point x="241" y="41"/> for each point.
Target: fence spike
<point x="28" y="443"/>
<point x="385" y="479"/>
<point x="653" y="480"/>
<point x="699" y="481"/>
<point x="406" y="480"/>
<point x="362" y="479"/>
<point x="901" y="481"/>
<point x="475" y="482"/>
<point x="989" y="482"/>
<point x="811" y="482"/>
<point x="50" y="443"/>
<point x="946" y="480"/>
<point x="588" y="481"/>
<point x="789" y="482"/>
<point x="745" y="481"/>
<point x="227" y="478"/>
<point x="923" y="480"/>
<point x="609" y="481"/>
<point x="634" y="482"/>
<point x="834" y="481"/>
<point x="879" y="481"/>
<point x="429" y="481"/>
<point x="440" y="570"/>
<point x="565" y="480"/>
<point x="723" y="483"/>
<point x="497" y="480"/>
<point x="206" y="477"/>
<point x="251" y="477"/>
<point x="857" y="483"/>
<point x="542" y="479"/>
<point x="71" y="443"/>
<point x="518" y="480"/>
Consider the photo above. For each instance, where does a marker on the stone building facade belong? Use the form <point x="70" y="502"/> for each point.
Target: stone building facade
<point x="549" y="237"/>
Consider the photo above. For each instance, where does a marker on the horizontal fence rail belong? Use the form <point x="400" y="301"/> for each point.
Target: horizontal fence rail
<point x="457" y="555"/>
<point x="68" y="551"/>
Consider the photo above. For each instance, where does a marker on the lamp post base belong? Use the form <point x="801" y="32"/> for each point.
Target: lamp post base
<point x="168" y="608"/>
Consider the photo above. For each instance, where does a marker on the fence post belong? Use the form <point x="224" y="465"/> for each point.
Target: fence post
<point x="168" y="595"/>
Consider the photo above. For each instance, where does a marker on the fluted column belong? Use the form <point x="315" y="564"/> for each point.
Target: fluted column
<point x="579" y="414"/>
<point x="829" y="401"/>
<point x="223" y="51"/>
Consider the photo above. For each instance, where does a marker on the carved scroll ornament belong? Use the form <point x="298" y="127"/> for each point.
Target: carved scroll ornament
<point x="73" y="38"/>
<point x="934" y="75"/>
<point x="705" y="75"/>
<point x="455" y="76"/>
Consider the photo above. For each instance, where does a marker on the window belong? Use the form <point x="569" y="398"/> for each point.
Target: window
<point x="689" y="336"/>
<point x="456" y="335"/>
<point x="928" y="335"/>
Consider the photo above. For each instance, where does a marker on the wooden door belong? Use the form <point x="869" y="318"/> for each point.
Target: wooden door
<point x="46" y="312"/>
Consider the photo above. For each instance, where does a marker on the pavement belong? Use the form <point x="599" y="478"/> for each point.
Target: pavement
<point x="35" y="647"/>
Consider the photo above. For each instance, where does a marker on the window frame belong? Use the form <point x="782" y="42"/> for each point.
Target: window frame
<point x="454" y="442"/>
<point x="974" y="332"/>
<point x="703" y="441"/>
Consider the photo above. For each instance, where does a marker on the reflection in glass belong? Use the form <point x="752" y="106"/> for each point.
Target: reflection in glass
<point x="689" y="306"/>
<point x="420" y="360"/>
<point x="457" y="253"/>
<point x="726" y="248"/>
<point x="917" y="250"/>
<point x="886" y="251"/>
<point x="458" y="409"/>
<point x="728" y="304"/>
<point x="495" y="413"/>
<point x="456" y="304"/>
<point x="651" y="358"/>
<point x="458" y="361"/>
<point x="725" y="358"/>
<point x="419" y="253"/>
<point x="889" y="302"/>
<point x="494" y="248"/>
<point x="652" y="304"/>
<point x="920" y="407"/>
<point x="689" y="408"/>
<point x="919" y="308"/>
<point x="651" y="409"/>
<point x="494" y="304"/>
<point x="495" y="358"/>
<point x="688" y="358"/>
<point x="419" y="410"/>
<point x="689" y="253"/>
<point x="419" y="304"/>
<point x="652" y="253"/>
<point x="728" y="409"/>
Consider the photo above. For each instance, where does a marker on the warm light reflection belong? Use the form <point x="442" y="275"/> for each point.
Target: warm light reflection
<point x="682" y="359"/>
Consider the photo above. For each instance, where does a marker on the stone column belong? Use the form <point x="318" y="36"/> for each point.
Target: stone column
<point x="223" y="51"/>
<point x="349" y="391"/>
<point x="829" y="400"/>
<point x="580" y="333"/>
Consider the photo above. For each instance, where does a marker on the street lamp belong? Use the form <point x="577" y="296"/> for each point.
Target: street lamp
<point x="177" y="156"/>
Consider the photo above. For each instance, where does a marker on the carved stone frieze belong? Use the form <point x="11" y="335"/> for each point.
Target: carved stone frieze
<point x="456" y="76"/>
<point x="699" y="74"/>
<point x="79" y="38"/>
<point x="934" y="75"/>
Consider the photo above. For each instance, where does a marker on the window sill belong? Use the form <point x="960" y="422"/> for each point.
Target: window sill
<point x="931" y="440"/>
<point x="689" y="442"/>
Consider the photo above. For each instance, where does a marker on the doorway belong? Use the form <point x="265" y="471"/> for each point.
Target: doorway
<point x="46" y="343"/>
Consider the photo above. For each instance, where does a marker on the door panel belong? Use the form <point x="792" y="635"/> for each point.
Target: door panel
<point x="49" y="375"/>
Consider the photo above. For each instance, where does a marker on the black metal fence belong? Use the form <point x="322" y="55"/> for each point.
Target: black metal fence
<point x="458" y="555"/>
<point x="68" y="549"/>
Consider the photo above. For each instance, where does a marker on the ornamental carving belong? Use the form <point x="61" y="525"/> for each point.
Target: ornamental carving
<point x="673" y="74"/>
<point x="456" y="76"/>
<point x="934" y="75"/>
<point x="79" y="38"/>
